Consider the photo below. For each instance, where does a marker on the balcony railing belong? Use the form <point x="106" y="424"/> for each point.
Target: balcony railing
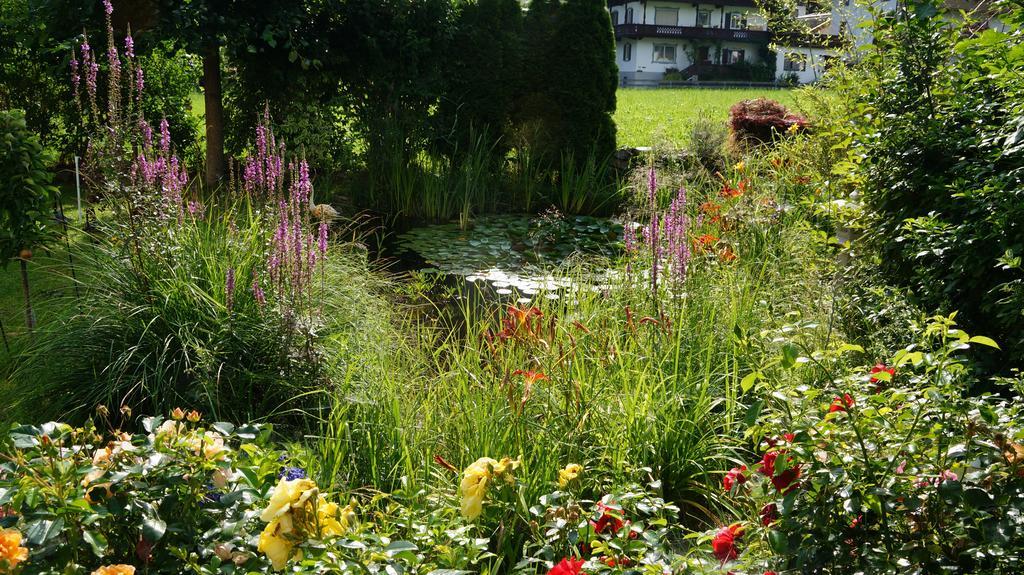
<point x="743" y="3"/>
<point x="653" y="30"/>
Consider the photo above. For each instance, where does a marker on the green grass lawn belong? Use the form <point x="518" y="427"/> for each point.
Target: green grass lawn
<point x="652" y="117"/>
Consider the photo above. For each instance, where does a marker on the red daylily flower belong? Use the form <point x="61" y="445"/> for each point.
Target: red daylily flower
<point x="443" y="463"/>
<point x="704" y="242"/>
<point x="567" y="567"/>
<point x="841" y="404"/>
<point x="724" y="543"/>
<point x="710" y="208"/>
<point x="531" y="377"/>
<point x="735" y="476"/>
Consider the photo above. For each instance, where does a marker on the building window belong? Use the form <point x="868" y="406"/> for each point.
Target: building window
<point x="794" y="62"/>
<point x="629" y="15"/>
<point x="732" y="56"/>
<point x="756" y="22"/>
<point x="615" y="17"/>
<point x="666" y="16"/>
<point x="627" y="52"/>
<point x="736" y="21"/>
<point x="665" y="53"/>
<point x="703" y="18"/>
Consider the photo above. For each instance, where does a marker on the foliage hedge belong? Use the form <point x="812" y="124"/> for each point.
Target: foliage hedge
<point x="937" y="151"/>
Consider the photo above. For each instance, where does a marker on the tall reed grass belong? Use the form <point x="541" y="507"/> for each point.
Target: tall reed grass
<point x="170" y="329"/>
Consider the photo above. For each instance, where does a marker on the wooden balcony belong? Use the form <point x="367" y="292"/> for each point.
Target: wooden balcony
<point x="690" y="32"/>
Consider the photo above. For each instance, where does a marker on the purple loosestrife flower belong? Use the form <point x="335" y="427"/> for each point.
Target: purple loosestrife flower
<point x="90" y="68"/>
<point x="229" y="288"/>
<point x="147" y="134"/>
<point x="322" y="239"/>
<point x="165" y="137"/>
<point x="75" y="78"/>
<point x="305" y="187"/>
<point x="129" y="46"/>
<point x="257" y="293"/>
<point x="139" y="83"/>
<point x="108" y="7"/>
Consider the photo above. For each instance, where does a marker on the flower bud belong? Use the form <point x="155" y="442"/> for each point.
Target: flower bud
<point x="193" y="416"/>
<point x="223" y="550"/>
<point x="178" y="414"/>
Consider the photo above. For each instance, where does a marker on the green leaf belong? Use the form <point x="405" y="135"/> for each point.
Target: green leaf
<point x="96" y="541"/>
<point x="397" y="547"/>
<point x="984" y="341"/>
<point x="153" y="529"/>
<point x="748" y="381"/>
<point x="777" y="539"/>
<point x="789" y="355"/>
<point x="42" y="530"/>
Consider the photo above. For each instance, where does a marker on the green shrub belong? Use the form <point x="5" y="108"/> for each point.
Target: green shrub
<point x="25" y="197"/>
<point x="936" y="154"/>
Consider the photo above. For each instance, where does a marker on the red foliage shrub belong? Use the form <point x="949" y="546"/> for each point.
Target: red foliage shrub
<point x="761" y="121"/>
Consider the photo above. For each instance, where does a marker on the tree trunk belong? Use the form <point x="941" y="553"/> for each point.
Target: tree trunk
<point x="30" y="316"/>
<point x="214" y="115"/>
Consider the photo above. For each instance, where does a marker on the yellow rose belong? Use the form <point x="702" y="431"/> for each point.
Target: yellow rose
<point x="474" y="486"/>
<point x="11" y="551"/>
<point x="505" y="467"/>
<point x="570" y="473"/>
<point x="287" y="495"/>
<point x="115" y="570"/>
<point x="334" y="522"/>
<point x="274" y="542"/>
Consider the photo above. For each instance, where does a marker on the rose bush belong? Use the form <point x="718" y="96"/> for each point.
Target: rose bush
<point x="890" y="469"/>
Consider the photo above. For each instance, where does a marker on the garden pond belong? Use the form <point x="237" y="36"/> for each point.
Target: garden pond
<point x="512" y="256"/>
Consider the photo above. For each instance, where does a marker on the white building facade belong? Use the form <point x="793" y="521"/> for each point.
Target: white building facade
<point x="660" y="40"/>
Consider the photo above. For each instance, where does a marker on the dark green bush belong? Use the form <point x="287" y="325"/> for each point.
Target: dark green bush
<point x="940" y="161"/>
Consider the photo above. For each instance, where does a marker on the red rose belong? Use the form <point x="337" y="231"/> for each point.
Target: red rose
<point x="769" y="513"/>
<point x="567" y="567"/>
<point x="784" y="481"/>
<point x="841" y="404"/>
<point x="607" y="522"/>
<point x="734" y="477"/>
<point x="724" y="543"/>
<point x="879" y="368"/>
